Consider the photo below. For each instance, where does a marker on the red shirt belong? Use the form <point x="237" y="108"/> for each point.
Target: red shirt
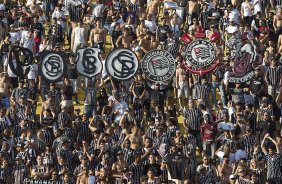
<point x="263" y="30"/>
<point x="209" y="131"/>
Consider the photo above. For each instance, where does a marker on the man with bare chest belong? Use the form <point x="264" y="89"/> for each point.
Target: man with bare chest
<point x="277" y="22"/>
<point x="153" y="8"/>
<point x="135" y="139"/>
<point x="193" y="10"/>
<point x="181" y="85"/>
<point x="125" y="40"/>
<point x="98" y="36"/>
<point x="119" y="165"/>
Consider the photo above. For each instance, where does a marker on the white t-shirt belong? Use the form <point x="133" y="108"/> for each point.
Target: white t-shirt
<point x="79" y="35"/>
<point x="32" y="74"/>
<point x="240" y="154"/>
<point x="150" y="25"/>
<point x="225" y="126"/>
<point x="247" y="9"/>
<point x="98" y="10"/>
<point x="9" y="71"/>
<point x="234" y="15"/>
<point x="15" y="36"/>
<point x="120" y="107"/>
<point x="257" y="7"/>
<point x="104" y="71"/>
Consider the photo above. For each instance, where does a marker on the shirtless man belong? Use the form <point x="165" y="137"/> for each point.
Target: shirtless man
<point x="135" y="139"/>
<point x="181" y="85"/>
<point x="235" y="3"/>
<point x="153" y="8"/>
<point x="277" y="22"/>
<point x="193" y="10"/>
<point x="5" y="85"/>
<point x="119" y="165"/>
<point x="224" y="170"/>
<point x="125" y="40"/>
<point x="98" y="36"/>
<point x="48" y="104"/>
<point x="154" y="43"/>
<point x="279" y="45"/>
<point x="34" y="7"/>
<point x="82" y="177"/>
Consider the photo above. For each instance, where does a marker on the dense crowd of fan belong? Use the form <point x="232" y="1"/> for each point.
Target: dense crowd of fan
<point x="132" y="132"/>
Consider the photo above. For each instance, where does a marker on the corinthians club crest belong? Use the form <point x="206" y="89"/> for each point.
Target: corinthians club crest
<point x="88" y="63"/>
<point x="122" y="64"/>
<point x="53" y="67"/>
<point x="200" y="55"/>
<point x="158" y="65"/>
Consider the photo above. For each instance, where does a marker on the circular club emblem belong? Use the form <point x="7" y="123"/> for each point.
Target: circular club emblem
<point x="158" y="65"/>
<point x="200" y="53"/>
<point x="122" y="64"/>
<point x="52" y="66"/>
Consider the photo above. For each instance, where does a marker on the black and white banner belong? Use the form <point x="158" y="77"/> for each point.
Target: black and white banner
<point x="158" y="65"/>
<point x="53" y="66"/>
<point x="88" y="63"/>
<point x="23" y="57"/>
<point x="122" y="64"/>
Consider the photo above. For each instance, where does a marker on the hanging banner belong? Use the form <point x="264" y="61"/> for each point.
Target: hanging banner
<point x="245" y="58"/>
<point x="158" y="65"/>
<point x="122" y="64"/>
<point x="53" y="66"/>
<point x="23" y="57"/>
<point x="88" y="62"/>
<point x="200" y="57"/>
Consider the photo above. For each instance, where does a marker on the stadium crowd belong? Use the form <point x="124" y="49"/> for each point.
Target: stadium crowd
<point x="197" y="129"/>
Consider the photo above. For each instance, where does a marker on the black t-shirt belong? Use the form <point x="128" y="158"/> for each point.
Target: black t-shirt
<point x="38" y="26"/>
<point x="72" y="72"/>
<point x="68" y="93"/>
<point x="266" y="127"/>
<point x="115" y="34"/>
<point x="139" y="88"/>
<point x="215" y="12"/>
<point x="176" y="166"/>
<point x="162" y="30"/>
<point x="257" y="83"/>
